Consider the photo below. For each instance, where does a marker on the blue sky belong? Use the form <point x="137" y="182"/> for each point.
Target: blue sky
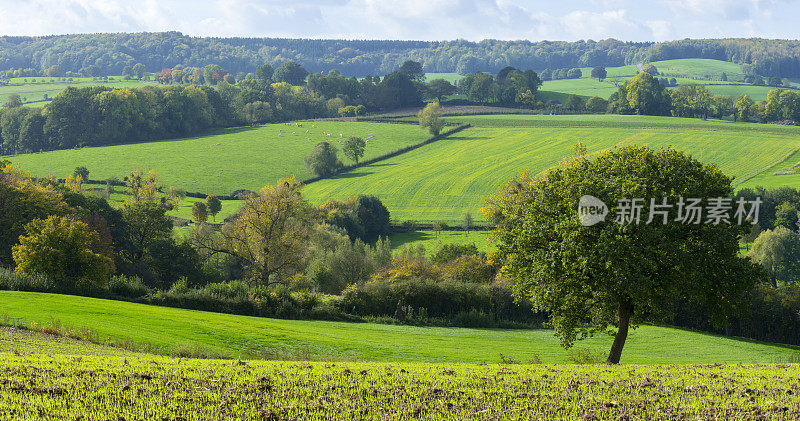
<point x="653" y="20"/>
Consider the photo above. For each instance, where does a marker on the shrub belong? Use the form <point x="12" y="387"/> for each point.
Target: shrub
<point x="469" y="268"/>
<point x="127" y="286"/>
<point x="449" y="252"/>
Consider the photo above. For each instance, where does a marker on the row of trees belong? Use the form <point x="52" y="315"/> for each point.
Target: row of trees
<point x="96" y="116"/>
<point x="109" y="54"/>
<point x="645" y="95"/>
<point x="511" y="86"/>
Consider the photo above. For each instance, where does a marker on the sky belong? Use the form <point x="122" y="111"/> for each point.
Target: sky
<point x="474" y="20"/>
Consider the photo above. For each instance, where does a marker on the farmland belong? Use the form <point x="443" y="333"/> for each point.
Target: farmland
<point x="432" y="240"/>
<point x="156" y="388"/>
<point x="702" y="71"/>
<point x="472" y="164"/>
<point x="225" y="160"/>
<point x="35" y="88"/>
<point x="173" y="331"/>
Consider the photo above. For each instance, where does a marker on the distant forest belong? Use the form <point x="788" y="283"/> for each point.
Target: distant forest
<point x="108" y="54"/>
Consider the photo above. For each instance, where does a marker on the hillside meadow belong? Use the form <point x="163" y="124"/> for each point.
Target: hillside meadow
<point x="35" y="88"/>
<point x="225" y="160"/>
<point x="174" y="331"/>
<point x="455" y="175"/>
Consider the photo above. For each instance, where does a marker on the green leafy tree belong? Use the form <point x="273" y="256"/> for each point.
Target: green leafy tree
<point x="290" y="72"/>
<point x="139" y="71"/>
<point x="257" y="112"/>
<point x="199" y="212"/>
<point x="354" y="147"/>
<point x="438" y="89"/>
<point x="214" y="205"/>
<point x="591" y="277"/>
<point x="786" y="216"/>
<point x="467" y="223"/>
<point x="13" y="101"/>
<point x="413" y="69"/>
<point x="81" y="171"/>
<point x="642" y="95"/>
<point x="322" y="160"/>
<point x="574" y="103"/>
<point x="745" y="107"/>
<point x="599" y="73"/>
<point x="778" y="251"/>
<point x="61" y="248"/>
<point x="596" y="104"/>
<point x="430" y="118"/>
<point x="264" y="72"/>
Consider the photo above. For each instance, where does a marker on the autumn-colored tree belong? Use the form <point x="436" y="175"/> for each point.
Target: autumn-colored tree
<point x="430" y="118"/>
<point x="199" y="212"/>
<point x="62" y="249"/>
<point x="141" y="186"/>
<point x="269" y="235"/>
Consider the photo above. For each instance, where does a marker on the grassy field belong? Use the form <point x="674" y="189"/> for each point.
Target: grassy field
<point x="226" y="160"/>
<point x="701" y="71"/>
<point x="432" y="240"/>
<point x="474" y="163"/>
<point x="584" y="86"/>
<point x="34" y="91"/>
<point x="174" y="331"/>
<point x="64" y="387"/>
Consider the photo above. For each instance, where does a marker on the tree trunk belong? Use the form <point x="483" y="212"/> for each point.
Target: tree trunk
<point x="624" y="313"/>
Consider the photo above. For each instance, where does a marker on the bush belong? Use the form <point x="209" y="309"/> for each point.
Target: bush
<point x="468" y="303"/>
<point x="469" y="268"/>
<point x="127" y="286"/>
<point x="13" y="281"/>
<point x="449" y="252"/>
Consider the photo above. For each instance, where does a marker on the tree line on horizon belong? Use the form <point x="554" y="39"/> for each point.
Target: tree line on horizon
<point x="109" y="54"/>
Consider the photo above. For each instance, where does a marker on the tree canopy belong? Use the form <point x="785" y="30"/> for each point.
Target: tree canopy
<point x="610" y="274"/>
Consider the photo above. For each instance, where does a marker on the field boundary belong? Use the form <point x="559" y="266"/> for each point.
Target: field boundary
<point x="391" y="154"/>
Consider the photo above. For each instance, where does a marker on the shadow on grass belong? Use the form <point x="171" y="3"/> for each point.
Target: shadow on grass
<point x="350" y="174"/>
<point x="403" y="238"/>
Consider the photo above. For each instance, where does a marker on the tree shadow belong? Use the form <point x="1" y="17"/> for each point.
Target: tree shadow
<point x="410" y="237"/>
<point x="350" y="174"/>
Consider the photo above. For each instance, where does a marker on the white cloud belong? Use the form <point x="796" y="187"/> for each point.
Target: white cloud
<point x="410" y="19"/>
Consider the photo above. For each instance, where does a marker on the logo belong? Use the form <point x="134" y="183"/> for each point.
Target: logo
<point x="591" y="210"/>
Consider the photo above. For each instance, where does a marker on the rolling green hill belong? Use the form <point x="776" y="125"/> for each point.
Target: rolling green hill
<point x="702" y="71"/>
<point x="444" y="180"/>
<point x="226" y="160"/>
<point x="166" y="330"/>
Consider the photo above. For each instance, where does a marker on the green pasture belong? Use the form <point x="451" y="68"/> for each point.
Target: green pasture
<point x="225" y="160"/>
<point x="446" y="179"/>
<point x="168" y="330"/>
<point x="35" y="91"/>
<point x="431" y="240"/>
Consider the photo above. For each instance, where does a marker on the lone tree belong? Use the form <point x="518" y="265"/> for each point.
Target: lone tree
<point x="430" y="117"/>
<point x="353" y="148"/>
<point x="322" y="160"/>
<point x="81" y="171"/>
<point x="200" y="212"/>
<point x="591" y="277"/>
<point x="599" y="73"/>
<point x="214" y="205"/>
